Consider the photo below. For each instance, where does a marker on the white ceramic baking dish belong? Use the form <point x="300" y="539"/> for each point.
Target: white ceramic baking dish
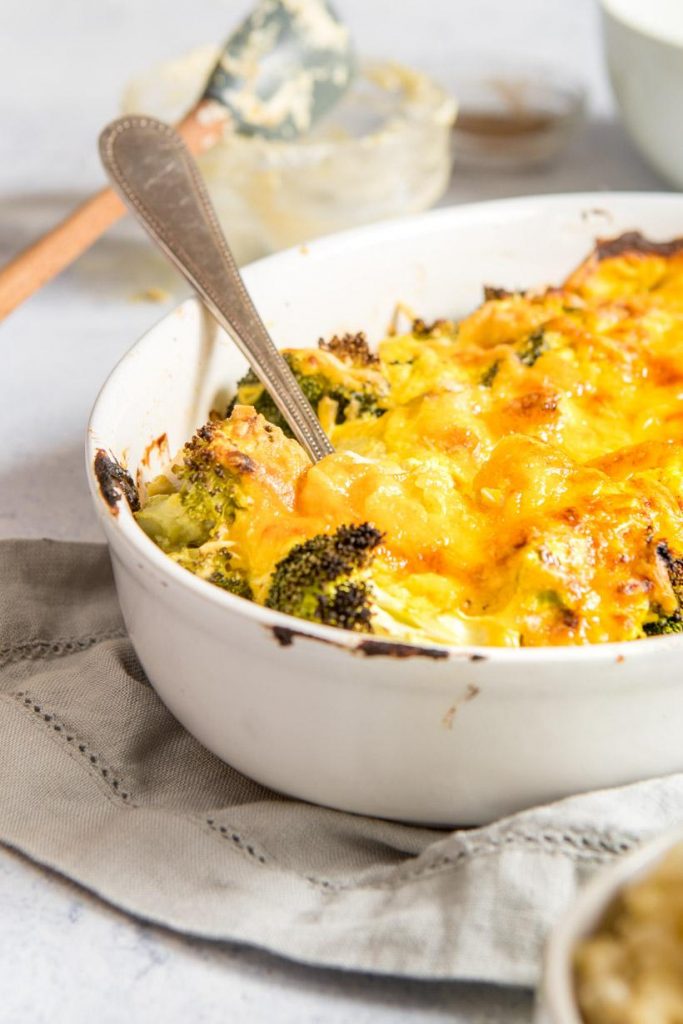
<point x="557" y="1002"/>
<point x="425" y="734"/>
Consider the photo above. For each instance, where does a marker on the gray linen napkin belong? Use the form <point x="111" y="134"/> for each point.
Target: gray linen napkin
<point x="98" y="781"/>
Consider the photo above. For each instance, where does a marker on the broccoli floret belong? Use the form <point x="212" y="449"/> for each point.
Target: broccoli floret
<point x="324" y="579"/>
<point x="420" y="329"/>
<point x="489" y="375"/>
<point x="494" y="294"/>
<point x="532" y="348"/>
<point x="170" y="524"/>
<point x="208" y="475"/>
<point x="672" y="623"/>
<point x="213" y="562"/>
<point x="226" y="467"/>
<point x="343" y="370"/>
<point x="350" y="348"/>
<point x="250" y="391"/>
<point x="664" y="624"/>
<point x="235" y="582"/>
<point x="674" y="567"/>
<point x="528" y="352"/>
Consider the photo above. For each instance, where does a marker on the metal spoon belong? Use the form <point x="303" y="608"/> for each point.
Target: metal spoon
<point x="280" y="71"/>
<point x="155" y="175"/>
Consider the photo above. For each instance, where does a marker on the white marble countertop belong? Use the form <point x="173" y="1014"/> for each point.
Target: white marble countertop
<point x="63" y="954"/>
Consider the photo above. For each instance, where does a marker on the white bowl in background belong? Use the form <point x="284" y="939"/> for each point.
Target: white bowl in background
<point x="643" y="41"/>
<point x="427" y="734"/>
<point x="557" y="1002"/>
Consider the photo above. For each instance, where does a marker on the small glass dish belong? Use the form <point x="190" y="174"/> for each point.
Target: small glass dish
<point x="384" y="151"/>
<point x="512" y="115"/>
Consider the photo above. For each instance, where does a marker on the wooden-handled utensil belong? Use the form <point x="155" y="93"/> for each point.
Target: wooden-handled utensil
<point x="284" y="67"/>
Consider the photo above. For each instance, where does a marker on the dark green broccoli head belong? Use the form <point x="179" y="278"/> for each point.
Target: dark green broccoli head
<point x="674" y="568"/>
<point x="208" y="476"/>
<point x="664" y="624"/>
<point x="672" y="623"/>
<point x="324" y="579"/>
<point x="234" y="582"/>
<point x="420" y="329"/>
<point x="210" y="473"/>
<point x="169" y="524"/>
<point x="352" y="349"/>
<point x="489" y="375"/>
<point x="343" y="370"/>
<point x="532" y="348"/>
<point x="213" y="562"/>
<point x="225" y="468"/>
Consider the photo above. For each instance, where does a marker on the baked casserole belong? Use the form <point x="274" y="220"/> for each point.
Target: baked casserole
<point x="512" y="479"/>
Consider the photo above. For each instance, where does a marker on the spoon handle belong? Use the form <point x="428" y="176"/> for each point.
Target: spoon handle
<point x="155" y="175"/>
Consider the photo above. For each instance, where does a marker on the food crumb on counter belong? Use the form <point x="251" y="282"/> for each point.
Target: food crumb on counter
<point x="151" y="295"/>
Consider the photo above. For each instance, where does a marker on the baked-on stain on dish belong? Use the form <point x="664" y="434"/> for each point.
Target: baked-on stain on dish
<point x="634" y="242"/>
<point x="114" y="481"/>
<point x="369" y="648"/>
<point x="158" y="446"/>
<point x="389" y="649"/>
<point x="471" y="692"/>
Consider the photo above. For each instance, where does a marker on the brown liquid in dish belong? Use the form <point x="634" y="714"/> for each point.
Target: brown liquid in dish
<point x="499" y="125"/>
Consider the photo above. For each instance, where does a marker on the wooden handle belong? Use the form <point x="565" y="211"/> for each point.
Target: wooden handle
<point x="43" y="260"/>
<point x="30" y="269"/>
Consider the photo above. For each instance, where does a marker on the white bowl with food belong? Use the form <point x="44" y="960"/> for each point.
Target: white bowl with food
<point x="526" y="530"/>
<point x="615" y="957"/>
<point x="643" y="45"/>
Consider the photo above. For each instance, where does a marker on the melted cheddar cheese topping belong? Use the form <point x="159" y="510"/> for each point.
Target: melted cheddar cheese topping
<point x="526" y="472"/>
